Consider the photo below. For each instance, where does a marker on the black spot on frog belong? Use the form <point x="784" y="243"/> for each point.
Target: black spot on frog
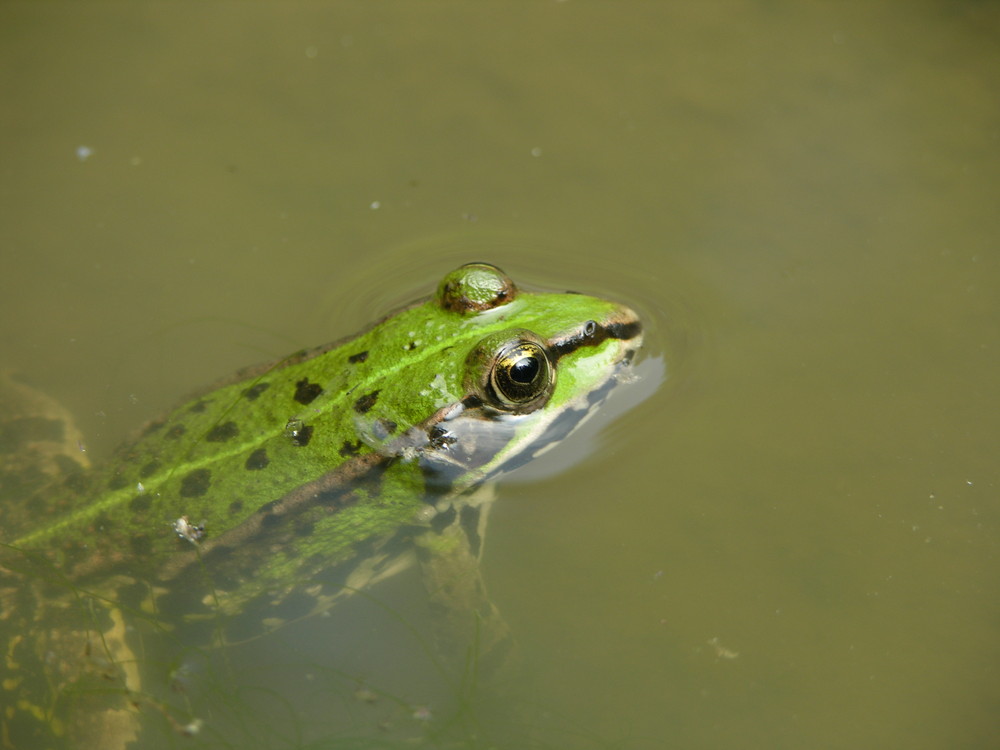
<point x="222" y="432"/>
<point x="253" y="392"/>
<point x="196" y="483"/>
<point x="306" y="392"/>
<point x="366" y="402"/>
<point x="350" y="449"/>
<point x="257" y="460"/>
<point x="117" y="482"/>
<point x="140" y="503"/>
<point x="199" y="406"/>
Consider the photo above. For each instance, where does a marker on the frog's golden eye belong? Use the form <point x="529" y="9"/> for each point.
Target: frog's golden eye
<point x="512" y="371"/>
<point x="521" y="373"/>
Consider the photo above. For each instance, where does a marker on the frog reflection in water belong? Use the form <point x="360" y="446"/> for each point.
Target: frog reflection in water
<point x="308" y="478"/>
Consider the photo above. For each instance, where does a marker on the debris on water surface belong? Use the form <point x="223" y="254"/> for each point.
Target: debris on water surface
<point x="422" y="713"/>
<point x="186" y="530"/>
<point x="721" y="651"/>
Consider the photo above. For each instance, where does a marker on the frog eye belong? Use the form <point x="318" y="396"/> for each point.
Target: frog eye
<point x="521" y="373"/>
<point x="512" y="371"/>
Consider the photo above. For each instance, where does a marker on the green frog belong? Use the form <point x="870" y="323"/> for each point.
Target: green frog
<point x="282" y="490"/>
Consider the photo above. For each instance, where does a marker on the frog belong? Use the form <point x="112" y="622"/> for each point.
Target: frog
<point x="278" y="492"/>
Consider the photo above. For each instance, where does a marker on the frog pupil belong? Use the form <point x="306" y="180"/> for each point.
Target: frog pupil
<point x="525" y="370"/>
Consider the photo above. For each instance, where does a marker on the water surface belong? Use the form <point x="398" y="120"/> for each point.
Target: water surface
<point x="792" y="543"/>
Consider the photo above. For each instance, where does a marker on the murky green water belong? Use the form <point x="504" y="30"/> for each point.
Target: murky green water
<point x="792" y="543"/>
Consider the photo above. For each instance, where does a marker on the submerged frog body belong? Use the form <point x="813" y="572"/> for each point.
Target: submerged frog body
<point x="302" y="480"/>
